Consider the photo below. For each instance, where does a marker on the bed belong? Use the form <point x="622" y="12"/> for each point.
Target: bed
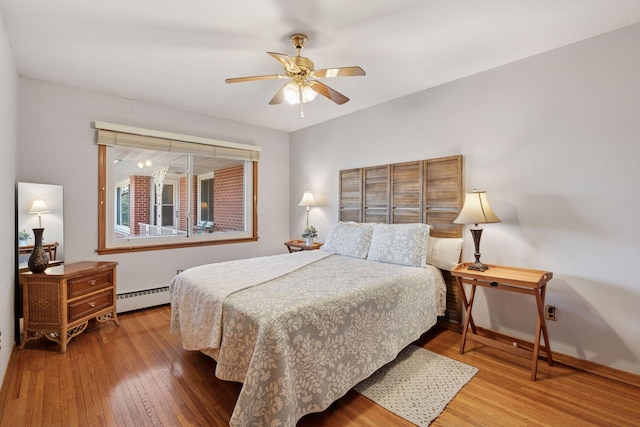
<point x="299" y="330"/>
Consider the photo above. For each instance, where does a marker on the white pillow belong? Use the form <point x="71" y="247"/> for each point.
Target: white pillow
<point x="348" y="238"/>
<point x="404" y="244"/>
<point x="444" y="252"/>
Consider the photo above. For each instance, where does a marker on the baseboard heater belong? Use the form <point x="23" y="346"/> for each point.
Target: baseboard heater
<point x="137" y="300"/>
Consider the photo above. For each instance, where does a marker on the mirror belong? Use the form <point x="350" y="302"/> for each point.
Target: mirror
<point x="45" y="213"/>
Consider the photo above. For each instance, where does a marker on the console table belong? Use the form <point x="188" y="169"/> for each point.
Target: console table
<point x="524" y="281"/>
<point x="59" y="302"/>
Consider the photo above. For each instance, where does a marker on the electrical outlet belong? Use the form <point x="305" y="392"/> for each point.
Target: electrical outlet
<point x="550" y="312"/>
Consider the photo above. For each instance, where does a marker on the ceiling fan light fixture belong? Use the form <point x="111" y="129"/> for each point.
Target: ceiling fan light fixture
<point x="292" y="93"/>
<point x="308" y="94"/>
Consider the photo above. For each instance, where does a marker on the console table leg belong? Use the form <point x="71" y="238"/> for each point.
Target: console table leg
<point x="468" y="318"/>
<point x="545" y="333"/>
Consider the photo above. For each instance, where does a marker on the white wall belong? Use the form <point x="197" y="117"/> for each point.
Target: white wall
<point x="56" y="146"/>
<point x="8" y="141"/>
<point x="555" y="141"/>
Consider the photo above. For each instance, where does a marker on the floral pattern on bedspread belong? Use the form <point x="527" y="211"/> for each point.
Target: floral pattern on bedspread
<point x="211" y="284"/>
<point x="302" y="341"/>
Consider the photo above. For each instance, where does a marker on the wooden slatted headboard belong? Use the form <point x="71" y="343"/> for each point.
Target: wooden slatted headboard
<point x="429" y="191"/>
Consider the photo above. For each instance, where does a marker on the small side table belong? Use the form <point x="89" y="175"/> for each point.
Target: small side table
<point x="299" y="245"/>
<point x="524" y="281"/>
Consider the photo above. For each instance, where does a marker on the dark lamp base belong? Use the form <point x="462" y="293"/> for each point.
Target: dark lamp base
<point x="477" y="266"/>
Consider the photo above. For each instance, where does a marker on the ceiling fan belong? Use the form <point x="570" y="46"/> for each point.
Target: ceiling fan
<point x="302" y="87"/>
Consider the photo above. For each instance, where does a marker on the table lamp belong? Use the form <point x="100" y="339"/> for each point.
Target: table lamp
<point x="39" y="207"/>
<point x="476" y="210"/>
<point x="307" y="200"/>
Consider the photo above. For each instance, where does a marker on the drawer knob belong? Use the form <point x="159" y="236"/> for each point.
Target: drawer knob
<point x="92" y="304"/>
<point x="92" y="282"/>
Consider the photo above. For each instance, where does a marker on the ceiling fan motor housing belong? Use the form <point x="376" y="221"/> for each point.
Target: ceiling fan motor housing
<point x="304" y="63"/>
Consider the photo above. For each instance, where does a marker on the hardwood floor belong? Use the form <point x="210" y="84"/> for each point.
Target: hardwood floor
<point x="139" y="375"/>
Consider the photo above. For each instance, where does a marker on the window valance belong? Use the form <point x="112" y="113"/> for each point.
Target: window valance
<point x="122" y="135"/>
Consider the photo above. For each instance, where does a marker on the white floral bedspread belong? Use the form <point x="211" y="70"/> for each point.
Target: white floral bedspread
<point x="300" y="342"/>
<point x="209" y="286"/>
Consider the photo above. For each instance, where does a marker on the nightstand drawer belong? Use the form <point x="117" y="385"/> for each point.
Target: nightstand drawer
<point x="90" y="283"/>
<point x="89" y="305"/>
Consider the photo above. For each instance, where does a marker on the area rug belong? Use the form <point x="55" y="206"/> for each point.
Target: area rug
<point x="417" y="385"/>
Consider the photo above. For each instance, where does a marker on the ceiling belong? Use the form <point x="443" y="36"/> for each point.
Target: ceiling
<point x="178" y="53"/>
<point x="130" y="161"/>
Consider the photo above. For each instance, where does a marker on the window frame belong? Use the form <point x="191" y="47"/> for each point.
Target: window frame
<point x="250" y="215"/>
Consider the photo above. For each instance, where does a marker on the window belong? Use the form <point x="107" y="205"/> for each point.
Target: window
<point x="122" y="206"/>
<point x="121" y="226"/>
<point x="160" y="190"/>
<point x="205" y="203"/>
<point x="168" y="206"/>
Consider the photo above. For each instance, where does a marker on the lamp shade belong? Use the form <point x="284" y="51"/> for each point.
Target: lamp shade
<point x="476" y="209"/>
<point x="307" y="199"/>
<point x="38" y="207"/>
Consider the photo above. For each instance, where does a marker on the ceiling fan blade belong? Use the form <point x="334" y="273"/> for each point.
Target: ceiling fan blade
<point x="254" y="78"/>
<point x="285" y="61"/>
<point x="325" y="90"/>
<point x="340" y="72"/>
<point x="279" y="96"/>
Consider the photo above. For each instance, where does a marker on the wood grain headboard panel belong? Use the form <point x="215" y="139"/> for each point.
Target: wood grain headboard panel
<point x="429" y="191"/>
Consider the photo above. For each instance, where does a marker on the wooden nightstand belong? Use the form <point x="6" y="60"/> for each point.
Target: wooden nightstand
<point x="299" y="245"/>
<point x="524" y="281"/>
<point x="59" y="302"/>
